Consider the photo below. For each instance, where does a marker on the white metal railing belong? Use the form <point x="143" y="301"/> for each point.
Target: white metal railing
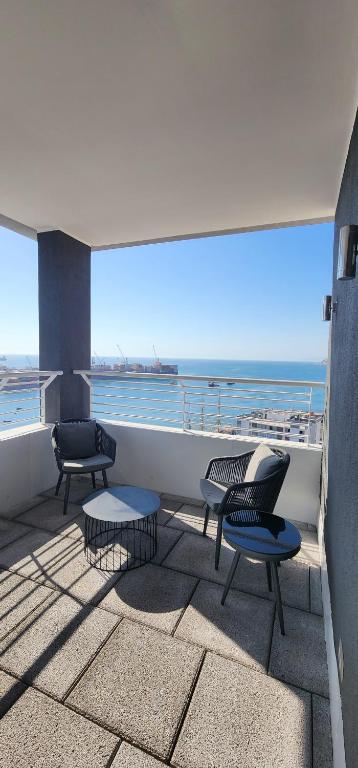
<point x="22" y="397"/>
<point x="262" y="408"/>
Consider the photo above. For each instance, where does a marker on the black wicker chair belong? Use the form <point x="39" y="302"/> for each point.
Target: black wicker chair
<point x="226" y="492"/>
<point x="103" y="459"/>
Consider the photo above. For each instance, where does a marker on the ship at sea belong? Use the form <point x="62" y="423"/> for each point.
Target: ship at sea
<point x="156" y="367"/>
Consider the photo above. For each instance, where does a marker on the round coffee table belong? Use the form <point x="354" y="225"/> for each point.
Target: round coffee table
<point x="265" y="537"/>
<point x="120" y="527"/>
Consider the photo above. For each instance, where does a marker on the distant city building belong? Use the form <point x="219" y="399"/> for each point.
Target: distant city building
<point x="299" y="426"/>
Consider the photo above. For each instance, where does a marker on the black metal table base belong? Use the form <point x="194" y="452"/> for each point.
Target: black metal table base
<point x="120" y="546"/>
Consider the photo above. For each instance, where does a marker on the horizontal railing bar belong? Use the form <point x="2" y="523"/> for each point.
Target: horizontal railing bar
<point x="242" y="391"/>
<point x="202" y="402"/>
<point x="249" y="431"/>
<point x="17" y="412"/>
<point x="20" y="400"/>
<point x="135" y="416"/>
<point x="168" y="376"/>
<point x="28" y="374"/>
<point x="163" y="386"/>
<point x="6" y="391"/>
<point x="234" y="394"/>
<point x="259" y="399"/>
<point x="131" y="388"/>
<point x="156" y="410"/>
<point x="137" y="399"/>
<point x="19" y="421"/>
<point x="243" y="417"/>
<point x="19" y="386"/>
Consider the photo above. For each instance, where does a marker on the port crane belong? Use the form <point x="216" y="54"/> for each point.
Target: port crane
<point x="125" y="359"/>
<point x="156" y="358"/>
<point x="96" y="358"/>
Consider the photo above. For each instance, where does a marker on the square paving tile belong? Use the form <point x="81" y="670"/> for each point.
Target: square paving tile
<point x="38" y="731"/>
<point x="10" y="690"/>
<point x="52" y="646"/>
<point x="239" y="717"/>
<point x="294" y="581"/>
<point x="138" y="685"/>
<point x="190" y="518"/>
<point x="177" y="500"/>
<point x="240" y="629"/>
<point x="60" y="563"/>
<point x="18" y="598"/>
<point x="166" y="539"/>
<point x="49" y="515"/>
<point x="316" y="591"/>
<point x="195" y="555"/>
<point x="23" y="555"/>
<point x="167" y="509"/>
<point x="151" y="594"/>
<point x="74" y="528"/>
<point x="131" y="757"/>
<point x="299" y="656"/>
<point x="10" y="530"/>
<point x="18" y="509"/>
<point x="79" y="489"/>
<point x="322" y="735"/>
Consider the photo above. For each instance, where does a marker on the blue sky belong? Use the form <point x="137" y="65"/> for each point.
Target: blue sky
<point x="252" y="296"/>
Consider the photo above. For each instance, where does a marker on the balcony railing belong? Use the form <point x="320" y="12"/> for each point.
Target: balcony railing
<point x="22" y="397"/>
<point x="262" y="408"/>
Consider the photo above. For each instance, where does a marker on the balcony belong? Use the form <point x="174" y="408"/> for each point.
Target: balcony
<point x="147" y="666"/>
<point x="150" y="662"/>
<point x="136" y="123"/>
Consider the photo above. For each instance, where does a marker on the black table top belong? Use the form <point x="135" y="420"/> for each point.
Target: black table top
<point x="122" y="503"/>
<point x="261" y="535"/>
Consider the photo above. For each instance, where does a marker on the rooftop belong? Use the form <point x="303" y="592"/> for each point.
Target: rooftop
<point x="147" y="667"/>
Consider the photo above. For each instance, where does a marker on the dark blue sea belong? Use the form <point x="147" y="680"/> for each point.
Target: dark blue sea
<point x="257" y="369"/>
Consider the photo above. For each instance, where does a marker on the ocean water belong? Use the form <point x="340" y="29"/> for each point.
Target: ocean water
<point x="199" y="405"/>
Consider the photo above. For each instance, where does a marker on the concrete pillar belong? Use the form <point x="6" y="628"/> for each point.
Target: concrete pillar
<point x="64" y="266"/>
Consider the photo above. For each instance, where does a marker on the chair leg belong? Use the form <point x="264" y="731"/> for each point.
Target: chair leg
<point x="67" y="493"/>
<point x="93" y="480"/>
<point x="231" y="575"/>
<point x="268" y="574"/>
<point x="104" y="475"/>
<point x="218" y="541"/>
<point x="277" y="590"/>
<point x="59" y="481"/>
<point x="207" y="512"/>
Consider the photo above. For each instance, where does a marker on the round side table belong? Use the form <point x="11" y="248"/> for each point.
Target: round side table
<point x="120" y="527"/>
<point x="265" y="537"/>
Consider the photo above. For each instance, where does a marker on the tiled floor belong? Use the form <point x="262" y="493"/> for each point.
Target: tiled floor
<point x="147" y="667"/>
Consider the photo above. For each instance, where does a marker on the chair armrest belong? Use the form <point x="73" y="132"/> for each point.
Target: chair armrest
<point x="107" y="444"/>
<point x="228" y="469"/>
<point x="56" y="449"/>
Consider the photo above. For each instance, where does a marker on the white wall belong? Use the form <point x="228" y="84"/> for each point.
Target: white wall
<point x="27" y="465"/>
<point x="166" y="460"/>
<point x="173" y="462"/>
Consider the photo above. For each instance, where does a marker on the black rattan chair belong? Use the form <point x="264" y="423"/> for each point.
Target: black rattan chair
<point x="225" y="490"/>
<point x="102" y="459"/>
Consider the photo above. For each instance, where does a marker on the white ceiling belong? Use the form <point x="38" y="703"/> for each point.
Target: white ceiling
<point x="132" y="120"/>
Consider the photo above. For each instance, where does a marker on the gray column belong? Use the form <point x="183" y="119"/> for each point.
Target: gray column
<point x="64" y="321"/>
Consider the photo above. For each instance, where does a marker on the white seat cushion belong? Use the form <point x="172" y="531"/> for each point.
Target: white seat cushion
<point x="262" y="464"/>
<point x="92" y="464"/>
<point x="212" y="492"/>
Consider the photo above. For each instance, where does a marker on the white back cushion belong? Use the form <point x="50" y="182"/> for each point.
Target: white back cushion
<point x="262" y="463"/>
